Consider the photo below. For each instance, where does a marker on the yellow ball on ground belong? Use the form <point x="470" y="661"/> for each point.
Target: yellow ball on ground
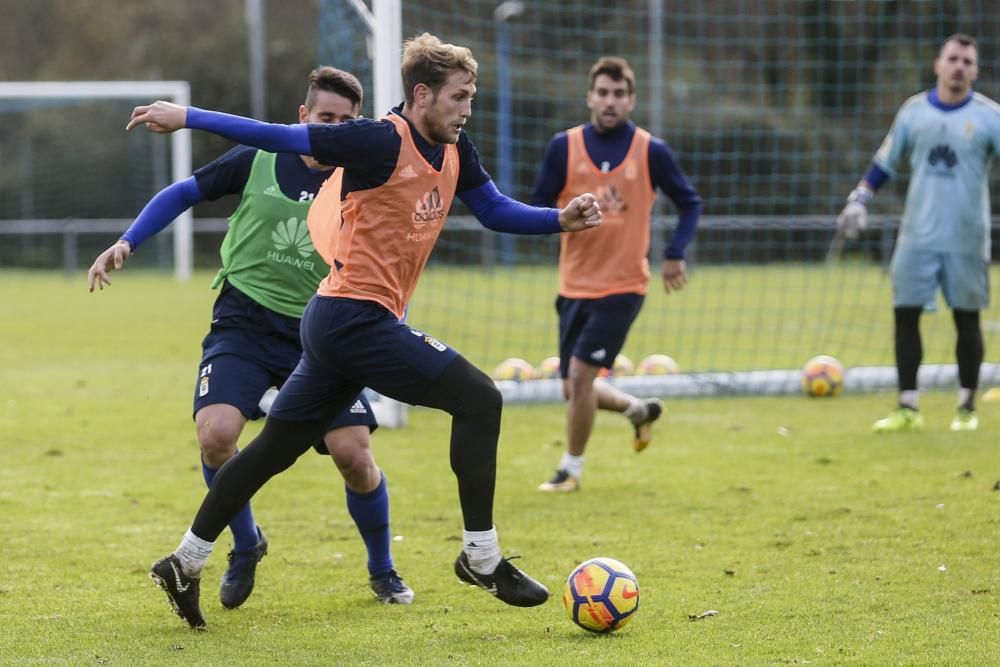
<point x="622" y="366"/>
<point x="549" y="368"/>
<point x="514" y="369"/>
<point x="658" y="364"/>
<point x="822" y="376"/>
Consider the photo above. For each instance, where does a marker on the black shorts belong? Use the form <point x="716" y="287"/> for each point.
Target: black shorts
<point x="250" y="349"/>
<point x="349" y="344"/>
<point x="594" y="330"/>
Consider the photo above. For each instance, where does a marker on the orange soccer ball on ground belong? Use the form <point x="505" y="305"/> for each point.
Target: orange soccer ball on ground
<point x="822" y="376"/>
<point x="601" y="595"/>
<point x="514" y="369"/>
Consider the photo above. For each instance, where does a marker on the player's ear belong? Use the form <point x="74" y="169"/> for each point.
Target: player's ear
<point x="937" y="65"/>
<point x="422" y="94"/>
<point x="303" y="114"/>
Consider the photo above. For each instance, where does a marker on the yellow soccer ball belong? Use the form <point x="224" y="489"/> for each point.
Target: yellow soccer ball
<point x="549" y="368"/>
<point x="601" y="595"/>
<point x="514" y="369"/>
<point x="622" y="366"/>
<point x="658" y="364"/>
<point x="822" y="376"/>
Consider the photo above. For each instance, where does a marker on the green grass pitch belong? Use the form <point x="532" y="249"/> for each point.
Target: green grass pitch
<point x="728" y="318"/>
<point x="816" y="541"/>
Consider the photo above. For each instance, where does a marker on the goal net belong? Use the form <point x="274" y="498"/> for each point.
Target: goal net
<point x="71" y="179"/>
<point x="774" y="110"/>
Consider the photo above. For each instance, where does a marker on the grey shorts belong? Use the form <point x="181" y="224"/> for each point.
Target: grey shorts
<point x="917" y="273"/>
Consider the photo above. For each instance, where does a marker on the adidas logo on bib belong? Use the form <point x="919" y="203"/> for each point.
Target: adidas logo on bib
<point x="358" y="408"/>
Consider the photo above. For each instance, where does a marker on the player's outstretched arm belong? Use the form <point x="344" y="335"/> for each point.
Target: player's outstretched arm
<point x="582" y="212"/>
<point x="160" y="117"/>
<point x="111" y="259"/>
<point x="500" y="213"/>
<point x="164" y="117"/>
<point x="155" y="216"/>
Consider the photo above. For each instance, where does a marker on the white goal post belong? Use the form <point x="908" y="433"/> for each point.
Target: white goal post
<point x="385" y="23"/>
<point x="148" y="91"/>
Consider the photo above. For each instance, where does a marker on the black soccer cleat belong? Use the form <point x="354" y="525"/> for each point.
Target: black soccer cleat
<point x="506" y="582"/>
<point x="390" y="588"/>
<point x="238" y="579"/>
<point x="182" y="591"/>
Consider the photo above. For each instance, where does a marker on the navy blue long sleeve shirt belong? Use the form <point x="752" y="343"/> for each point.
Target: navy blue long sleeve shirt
<point x="368" y="149"/>
<point x="608" y="150"/>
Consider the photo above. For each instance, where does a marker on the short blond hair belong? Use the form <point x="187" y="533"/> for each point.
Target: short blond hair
<point x="428" y="60"/>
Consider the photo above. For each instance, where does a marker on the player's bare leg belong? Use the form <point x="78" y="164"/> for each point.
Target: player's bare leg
<point x="219" y="427"/>
<point x="641" y="413"/>
<point x="586" y="393"/>
<point x="368" y="504"/>
<point x="581" y="408"/>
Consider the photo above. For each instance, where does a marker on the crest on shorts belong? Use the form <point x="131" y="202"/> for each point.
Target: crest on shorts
<point x="435" y="343"/>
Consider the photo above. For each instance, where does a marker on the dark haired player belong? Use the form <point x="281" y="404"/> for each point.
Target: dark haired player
<point x="603" y="276"/>
<point x="270" y="270"/>
<point x="401" y="175"/>
<point x="950" y="136"/>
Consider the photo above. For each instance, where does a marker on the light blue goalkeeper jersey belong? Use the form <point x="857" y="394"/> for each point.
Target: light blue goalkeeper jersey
<point x="950" y="149"/>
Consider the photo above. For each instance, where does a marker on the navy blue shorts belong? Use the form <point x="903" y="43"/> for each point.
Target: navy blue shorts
<point x="349" y="344"/>
<point x="594" y="330"/>
<point x="250" y="349"/>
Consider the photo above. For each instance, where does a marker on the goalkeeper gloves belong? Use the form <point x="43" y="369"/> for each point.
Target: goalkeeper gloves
<point x="854" y="218"/>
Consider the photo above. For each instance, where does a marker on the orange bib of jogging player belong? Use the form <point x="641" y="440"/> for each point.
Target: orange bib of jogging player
<point x="324" y="217"/>
<point x="612" y="258"/>
<point x="388" y="231"/>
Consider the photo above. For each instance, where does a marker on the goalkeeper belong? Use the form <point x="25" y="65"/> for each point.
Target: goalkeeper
<point x="950" y="135"/>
